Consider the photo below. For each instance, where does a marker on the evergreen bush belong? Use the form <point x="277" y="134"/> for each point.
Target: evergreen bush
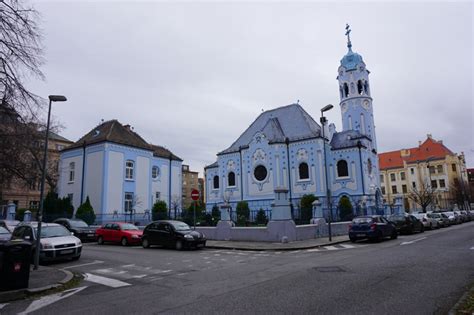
<point x="85" y="212"/>
<point x="345" y="209"/>
<point x="261" y="218"/>
<point x="159" y="211"/>
<point x="306" y="205"/>
<point x="243" y="213"/>
<point x="216" y="215"/>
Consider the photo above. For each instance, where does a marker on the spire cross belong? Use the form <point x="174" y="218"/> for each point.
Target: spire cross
<point x="348" y="34"/>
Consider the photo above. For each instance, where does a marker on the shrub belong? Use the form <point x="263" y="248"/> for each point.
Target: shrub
<point x="243" y="213"/>
<point x="216" y="214"/>
<point x="261" y="217"/>
<point x="54" y="207"/>
<point x="345" y="209"/>
<point x="159" y="211"/>
<point x="306" y="205"/>
<point x="20" y="213"/>
<point x="86" y="212"/>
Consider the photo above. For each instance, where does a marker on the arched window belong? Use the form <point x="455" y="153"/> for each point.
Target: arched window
<point x="155" y="172"/>
<point x="366" y="87"/>
<point x="369" y="166"/>
<point x="215" y="182"/>
<point x="231" y="179"/>
<point x="129" y="166"/>
<point x="359" y="87"/>
<point x="346" y="90"/>
<point x="303" y="171"/>
<point x="342" y="170"/>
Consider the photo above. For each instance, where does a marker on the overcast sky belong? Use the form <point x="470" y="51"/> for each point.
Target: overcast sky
<point x="192" y="76"/>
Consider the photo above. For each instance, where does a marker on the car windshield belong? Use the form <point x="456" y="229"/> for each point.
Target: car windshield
<point x="4" y="230"/>
<point x="128" y="226"/>
<point x="78" y="224"/>
<point x="181" y="226"/>
<point x="53" y="231"/>
<point x="396" y="218"/>
<point x="419" y="215"/>
<point x="362" y="220"/>
<point x="449" y="213"/>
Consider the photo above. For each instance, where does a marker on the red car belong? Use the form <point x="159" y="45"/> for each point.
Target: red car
<point x="119" y="232"/>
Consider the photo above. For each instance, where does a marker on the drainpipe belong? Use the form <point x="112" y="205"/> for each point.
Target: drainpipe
<point x="287" y="142"/>
<point x="241" y="176"/>
<point x="359" y="145"/>
<point x="169" y="187"/>
<point x="83" y="170"/>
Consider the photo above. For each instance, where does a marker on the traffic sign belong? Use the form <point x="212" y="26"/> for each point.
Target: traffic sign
<point x="194" y="194"/>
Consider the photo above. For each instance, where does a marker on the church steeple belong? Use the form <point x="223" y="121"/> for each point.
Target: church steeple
<point x="354" y="90"/>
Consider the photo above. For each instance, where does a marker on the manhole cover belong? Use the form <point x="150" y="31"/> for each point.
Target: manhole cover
<point x="329" y="269"/>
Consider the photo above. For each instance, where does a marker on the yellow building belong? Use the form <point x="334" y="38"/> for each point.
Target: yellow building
<point x="431" y="165"/>
<point x="190" y="182"/>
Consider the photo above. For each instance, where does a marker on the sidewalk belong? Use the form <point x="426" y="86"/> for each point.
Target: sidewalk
<point x="262" y="246"/>
<point x="43" y="279"/>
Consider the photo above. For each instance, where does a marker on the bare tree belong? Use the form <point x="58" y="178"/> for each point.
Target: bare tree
<point x="175" y="205"/>
<point x="423" y="196"/>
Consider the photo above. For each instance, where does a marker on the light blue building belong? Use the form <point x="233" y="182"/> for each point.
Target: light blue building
<point x="285" y="148"/>
<point x="119" y="172"/>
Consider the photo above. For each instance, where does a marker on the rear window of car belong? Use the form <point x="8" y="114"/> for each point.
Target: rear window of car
<point x="362" y="220"/>
<point x="128" y="227"/>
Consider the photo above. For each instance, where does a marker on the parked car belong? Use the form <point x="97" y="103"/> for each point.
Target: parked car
<point x="119" y="232"/>
<point x="5" y="234"/>
<point x="79" y="228"/>
<point x="453" y="217"/>
<point x="9" y="224"/>
<point x="56" y="241"/>
<point x="373" y="227"/>
<point x="171" y="233"/>
<point x="441" y="218"/>
<point x="428" y="222"/>
<point x="407" y="223"/>
<point x="462" y="215"/>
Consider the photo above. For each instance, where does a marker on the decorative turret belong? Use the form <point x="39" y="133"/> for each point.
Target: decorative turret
<point x="354" y="90"/>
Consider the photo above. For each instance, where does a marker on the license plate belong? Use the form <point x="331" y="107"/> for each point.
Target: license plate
<point x="90" y="235"/>
<point x="67" y="251"/>
<point x="200" y="245"/>
<point x="360" y="235"/>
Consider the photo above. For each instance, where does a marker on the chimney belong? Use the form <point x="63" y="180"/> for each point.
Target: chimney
<point x="429" y="135"/>
<point x="127" y="127"/>
<point x="419" y="143"/>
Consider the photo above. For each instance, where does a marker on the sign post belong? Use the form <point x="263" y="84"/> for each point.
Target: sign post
<point x="194" y="197"/>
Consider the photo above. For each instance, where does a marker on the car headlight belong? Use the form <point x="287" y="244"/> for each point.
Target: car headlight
<point x="78" y="243"/>
<point x="135" y="236"/>
<point x="189" y="237"/>
<point x="46" y="246"/>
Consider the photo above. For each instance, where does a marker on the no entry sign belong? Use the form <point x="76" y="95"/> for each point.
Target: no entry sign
<point x="194" y="194"/>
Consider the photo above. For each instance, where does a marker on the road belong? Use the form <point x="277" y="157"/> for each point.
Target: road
<point x="417" y="274"/>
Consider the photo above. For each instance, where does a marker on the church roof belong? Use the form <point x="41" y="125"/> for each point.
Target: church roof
<point x="290" y="121"/>
<point x="347" y="139"/>
<point x="114" y="131"/>
<point x="351" y="60"/>
<point x="213" y="165"/>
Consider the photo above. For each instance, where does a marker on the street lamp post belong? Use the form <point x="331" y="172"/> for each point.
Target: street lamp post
<point x="52" y="98"/>
<point x="328" y="191"/>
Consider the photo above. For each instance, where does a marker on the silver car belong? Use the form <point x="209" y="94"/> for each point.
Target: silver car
<point x="428" y="222"/>
<point x="453" y="217"/>
<point x="442" y="219"/>
<point x="56" y="241"/>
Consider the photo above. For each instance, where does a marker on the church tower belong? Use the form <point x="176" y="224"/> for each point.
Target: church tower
<point x="354" y="91"/>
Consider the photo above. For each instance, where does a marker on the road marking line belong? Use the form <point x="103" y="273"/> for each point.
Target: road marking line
<point x="331" y="247"/>
<point x="295" y="251"/>
<point x="105" y="281"/>
<point x="181" y="274"/>
<point x="313" y="250"/>
<point x="208" y="262"/>
<point x="128" y="266"/>
<point x="155" y="278"/>
<point x="414" y="241"/>
<point x="81" y="265"/>
<point x="50" y="299"/>
<point x="139" y="276"/>
<point x="472" y="247"/>
<point x="347" y="246"/>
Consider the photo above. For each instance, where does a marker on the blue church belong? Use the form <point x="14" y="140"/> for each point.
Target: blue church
<point x="286" y="148"/>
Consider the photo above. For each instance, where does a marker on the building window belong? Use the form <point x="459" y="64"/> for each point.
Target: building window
<point x="155" y="172"/>
<point x="260" y="173"/>
<point x="434" y="184"/>
<point x="394" y="189"/>
<point x="412" y="171"/>
<point x="59" y="147"/>
<point x="392" y="177"/>
<point x="402" y="175"/>
<point x="216" y="182"/>
<point x="128" y="202"/>
<point x="440" y="169"/>
<point x="342" y="170"/>
<point x="442" y="183"/>
<point x="453" y="167"/>
<point x="129" y="165"/>
<point x="359" y="87"/>
<point x="413" y="184"/>
<point x="369" y="166"/>
<point x="404" y="189"/>
<point x="432" y="169"/>
<point x="346" y="89"/>
<point x="381" y="178"/>
<point x="72" y="167"/>
<point x="303" y="171"/>
<point x="231" y="179"/>
<point x="34" y="205"/>
<point x="157" y="195"/>
<point x="383" y="190"/>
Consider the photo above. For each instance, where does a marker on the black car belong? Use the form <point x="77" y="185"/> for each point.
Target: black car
<point x="407" y="224"/>
<point x="374" y="227"/>
<point x="174" y="234"/>
<point x="80" y="228"/>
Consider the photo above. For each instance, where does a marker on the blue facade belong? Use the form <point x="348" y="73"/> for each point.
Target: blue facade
<point x="285" y="148"/>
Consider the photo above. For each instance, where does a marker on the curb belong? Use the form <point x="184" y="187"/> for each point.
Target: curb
<point x="454" y="309"/>
<point x="230" y="247"/>
<point x="9" y="296"/>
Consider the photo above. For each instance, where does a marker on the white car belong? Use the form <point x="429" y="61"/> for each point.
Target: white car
<point x="428" y="223"/>
<point x="56" y="241"/>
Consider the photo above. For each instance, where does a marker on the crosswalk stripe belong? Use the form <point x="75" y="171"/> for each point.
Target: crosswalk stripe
<point x="331" y="247"/>
<point x="113" y="283"/>
<point x="347" y="246"/>
<point x="313" y="250"/>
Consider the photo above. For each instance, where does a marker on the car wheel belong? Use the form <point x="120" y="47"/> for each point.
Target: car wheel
<point x="76" y="257"/>
<point x="178" y="245"/>
<point x="353" y="239"/>
<point x="100" y="240"/>
<point x="145" y="243"/>
<point x="422" y="229"/>
<point x="394" y="235"/>
<point x="379" y="236"/>
<point x="431" y="226"/>
<point x="124" y="241"/>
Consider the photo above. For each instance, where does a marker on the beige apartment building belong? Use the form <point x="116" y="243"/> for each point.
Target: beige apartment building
<point x="190" y="182"/>
<point x="430" y="165"/>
